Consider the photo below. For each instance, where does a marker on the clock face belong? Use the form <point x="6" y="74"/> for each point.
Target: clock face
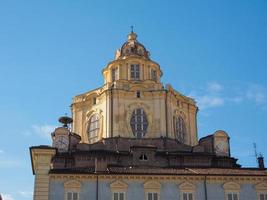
<point x="62" y="142"/>
<point x="221" y="147"/>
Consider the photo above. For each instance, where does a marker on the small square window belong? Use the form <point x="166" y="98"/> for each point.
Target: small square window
<point x="232" y="196"/>
<point x="263" y="196"/>
<point x="138" y="94"/>
<point x="152" y="196"/>
<point x="118" y="196"/>
<point x="72" y="196"/>
<point x="187" y="196"/>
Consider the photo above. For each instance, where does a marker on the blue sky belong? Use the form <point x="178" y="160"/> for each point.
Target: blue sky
<point x="50" y="51"/>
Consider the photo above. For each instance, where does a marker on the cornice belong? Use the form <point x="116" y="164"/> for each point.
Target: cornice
<point x="162" y="178"/>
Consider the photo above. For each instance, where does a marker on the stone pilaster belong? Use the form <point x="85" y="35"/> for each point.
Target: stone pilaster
<point x="41" y="163"/>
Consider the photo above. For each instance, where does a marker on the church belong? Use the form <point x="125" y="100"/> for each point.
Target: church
<point x="135" y="139"/>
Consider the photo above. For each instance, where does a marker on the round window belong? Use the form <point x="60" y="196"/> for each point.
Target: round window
<point x="139" y="123"/>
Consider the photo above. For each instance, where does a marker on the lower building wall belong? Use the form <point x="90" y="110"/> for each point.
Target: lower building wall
<point x="214" y="191"/>
<point x="56" y="190"/>
<point x="247" y="192"/>
<point x="135" y="191"/>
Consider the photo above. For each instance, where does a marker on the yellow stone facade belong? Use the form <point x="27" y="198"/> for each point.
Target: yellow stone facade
<point x="133" y="82"/>
<point x="41" y="164"/>
<point x="121" y="94"/>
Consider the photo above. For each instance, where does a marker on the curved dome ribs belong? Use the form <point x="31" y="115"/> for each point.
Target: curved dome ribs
<point x="132" y="48"/>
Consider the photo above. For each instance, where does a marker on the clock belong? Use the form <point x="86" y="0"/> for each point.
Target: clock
<point x="61" y="139"/>
<point x="61" y="135"/>
<point x="221" y="143"/>
<point x="62" y="142"/>
<point x="221" y="147"/>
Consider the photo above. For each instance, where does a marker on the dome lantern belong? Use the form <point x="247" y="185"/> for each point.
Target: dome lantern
<point x="132" y="48"/>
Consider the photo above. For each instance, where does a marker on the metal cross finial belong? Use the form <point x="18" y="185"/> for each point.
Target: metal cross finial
<point x="132" y="28"/>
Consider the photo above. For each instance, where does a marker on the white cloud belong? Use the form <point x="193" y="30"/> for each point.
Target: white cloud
<point x="43" y="130"/>
<point x="26" y="194"/>
<point x="216" y="95"/>
<point x="5" y="163"/>
<point x="237" y="99"/>
<point x="257" y="93"/>
<point x="7" y="197"/>
<point x="207" y="101"/>
<point x="214" y="87"/>
<point x="210" y="96"/>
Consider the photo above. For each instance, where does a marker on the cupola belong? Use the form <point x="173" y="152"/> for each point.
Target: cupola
<point x="132" y="48"/>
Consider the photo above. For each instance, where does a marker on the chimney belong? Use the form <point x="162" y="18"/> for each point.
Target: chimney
<point x="261" y="162"/>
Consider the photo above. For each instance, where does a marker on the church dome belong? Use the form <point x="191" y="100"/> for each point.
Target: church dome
<point x="132" y="48"/>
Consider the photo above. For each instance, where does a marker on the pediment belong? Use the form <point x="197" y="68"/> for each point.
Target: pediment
<point x="152" y="185"/>
<point x="72" y="184"/>
<point x="231" y="186"/>
<point x="261" y="186"/>
<point x="185" y="186"/>
<point x="118" y="185"/>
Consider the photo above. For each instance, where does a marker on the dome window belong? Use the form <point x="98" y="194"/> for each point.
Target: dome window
<point x="179" y="129"/>
<point x="153" y="75"/>
<point x="143" y="157"/>
<point x="93" y="128"/>
<point x="139" y="123"/>
<point x="135" y="72"/>
<point x="115" y="74"/>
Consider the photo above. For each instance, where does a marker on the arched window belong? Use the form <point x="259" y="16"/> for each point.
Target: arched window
<point x="179" y="129"/>
<point x="139" y="123"/>
<point x="93" y="128"/>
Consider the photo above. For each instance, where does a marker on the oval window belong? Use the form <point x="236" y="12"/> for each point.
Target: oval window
<point x="139" y="123"/>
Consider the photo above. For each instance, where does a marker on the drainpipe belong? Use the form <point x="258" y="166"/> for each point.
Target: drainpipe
<point x="96" y="187"/>
<point x="205" y="182"/>
<point x="205" y="187"/>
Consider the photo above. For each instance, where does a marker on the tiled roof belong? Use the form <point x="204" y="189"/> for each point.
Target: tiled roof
<point x="169" y="171"/>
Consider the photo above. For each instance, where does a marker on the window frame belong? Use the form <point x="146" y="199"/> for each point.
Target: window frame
<point x="180" y="128"/>
<point x="139" y="122"/>
<point x="188" y="193"/>
<point x="119" y="192"/>
<point x="152" y="187"/>
<point x="232" y="195"/>
<point x="72" y="187"/>
<point x="261" y="189"/>
<point x="72" y="193"/>
<point x="187" y="188"/>
<point x="154" y="75"/>
<point x="118" y="187"/>
<point x="135" y="72"/>
<point x="264" y="195"/>
<point x="231" y="188"/>
<point x="153" y="194"/>
<point x="114" y="74"/>
<point x="95" y="130"/>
